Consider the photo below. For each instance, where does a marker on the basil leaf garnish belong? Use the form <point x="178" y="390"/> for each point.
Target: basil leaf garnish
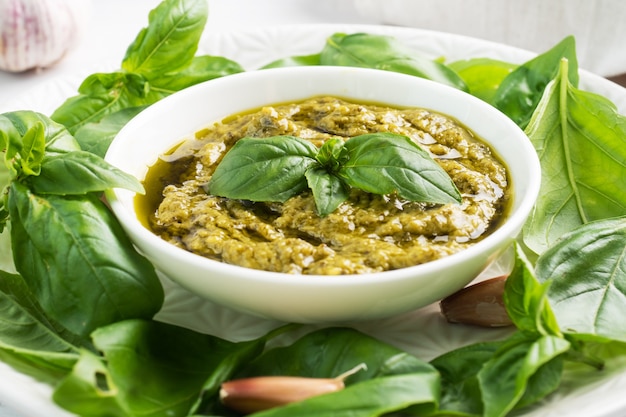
<point x="280" y="167"/>
<point x="383" y="163"/>
<point x="328" y="190"/>
<point x="269" y="169"/>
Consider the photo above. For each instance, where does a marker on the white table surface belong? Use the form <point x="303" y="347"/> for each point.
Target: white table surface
<point x="115" y="23"/>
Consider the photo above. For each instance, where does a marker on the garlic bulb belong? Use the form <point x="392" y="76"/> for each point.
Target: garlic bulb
<point x="37" y="33"/>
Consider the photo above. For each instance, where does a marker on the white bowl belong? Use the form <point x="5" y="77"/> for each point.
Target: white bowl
<point x="306" y="298"/>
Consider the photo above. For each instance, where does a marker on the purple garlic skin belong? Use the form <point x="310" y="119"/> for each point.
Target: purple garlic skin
<point x="36" y="34"/>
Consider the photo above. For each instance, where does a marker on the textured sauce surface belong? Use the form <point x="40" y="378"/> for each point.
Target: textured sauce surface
<point x="367" y="233"/>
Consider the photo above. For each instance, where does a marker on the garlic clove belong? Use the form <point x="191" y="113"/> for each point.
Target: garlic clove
<point x="38" y="33"/>
<point x="249" y="395"/>
<point x="480" y="304"/>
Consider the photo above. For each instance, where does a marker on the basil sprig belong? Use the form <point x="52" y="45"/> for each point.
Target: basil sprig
<point x="280" y="167"/>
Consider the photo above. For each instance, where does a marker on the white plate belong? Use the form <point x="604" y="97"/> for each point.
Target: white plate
<point x="422" y="332"/>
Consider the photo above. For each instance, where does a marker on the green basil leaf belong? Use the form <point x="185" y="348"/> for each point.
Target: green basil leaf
<point x="545" y="381"/>
<point x="329" y="191"/>
<point x="6" y="256"/>
<point x="79" y="110"/>
<point x="295" y="61"/>
<point x="127" y="84"/>
<point x="264" y="169"/>
<point x="104" y="94"/>
<point x="526" y="299"/>
<point x="332" y="155"/>
<point x="579" y="137"/>
<point x="505" y="378"/>
<point x="383" y="163"/>
<point x="460" y="390"/>
<point x="56" y="136"/>
<point x="588" y="286"/>
<point x="95" y="137"/>
<point x="152" y="369"/>
<point x="88" y="390"/>
<point x="78" y="261"/>
<point x="101" y="82"/>
<point x="202" y="68"/>
<point x="483" y="76"/>
<point x="30" y="340"/>
<point x="32" y="150"/>
<point x="520" y="92"/>
<point x="385" y="53"/>
<point x="224" y="371"/>
<point x="30" y="327"/>
<point x="15" y="126"/>
<point x="170" y="40"/>
<point x="344" y="348"/>
<point x="80" y="172"/>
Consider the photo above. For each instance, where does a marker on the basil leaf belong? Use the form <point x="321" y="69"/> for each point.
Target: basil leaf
<point x="30" y="341"/>
<point x="329" y="191"/>
<point x="295" y="61"/>
<point x="483" y="76"/>
<point x="102" y="83"/>
<point x="170" y="41"/>
<point x="202" y="68"/>
<point x="518" y="94"/>
<point x="224" y="371"/>
<point x="385" y="53"/>
<point x="460" y="391"/>
<point x="6" y="262"/>
<point x="30" y="327"/>
<point x="383" y="163"/>
<point x="332" y="155"/>
<point x="175" y="360"/>
<point x="78" y="261"/>
<point x="25" y="136"/>
<point x="588" y="286"/>
<point x="505" y="378"/>
<point x="79" y="110"/>
<point x="80" y="172"/>
<point x="526" y="299"/>
<point x="88" y="390"/>
<point x="149" y="368"/>
<point x="95" y="137"/>
<point x="14" y="125"/>
<point x="264" y="169"/>
<point x="51" y="160"/>
<point x="579" y="137"/>
<point x="32" y="149"/>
